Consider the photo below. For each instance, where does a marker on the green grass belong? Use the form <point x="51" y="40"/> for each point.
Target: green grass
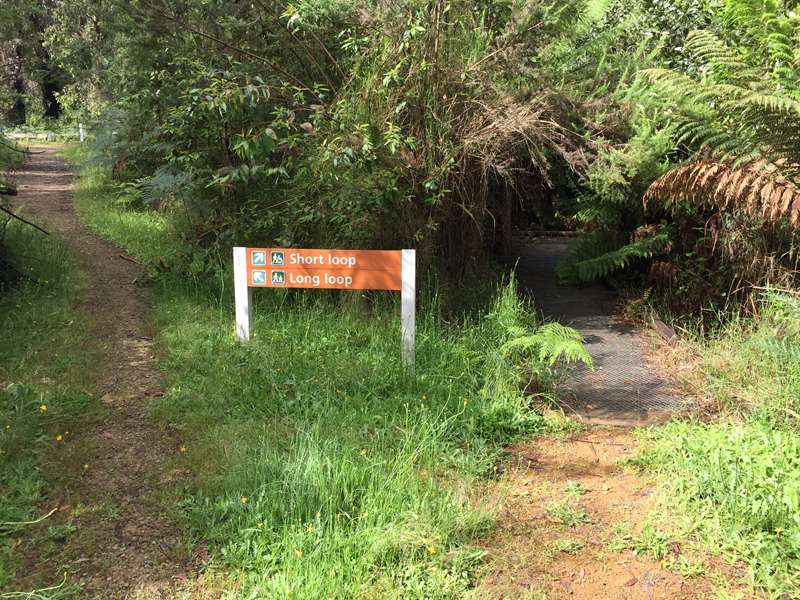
<point x="740" y="483"/>
<point x="569" y="546"/>
<point x="570" y="516"/>
<point x="738" y="479"/>
<point x="9" y="156"/>
<point x="320" y="467"/>
<point x="43" y="384"/>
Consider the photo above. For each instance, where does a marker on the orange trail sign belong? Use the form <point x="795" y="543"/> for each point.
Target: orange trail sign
<point x="326" y="269"/>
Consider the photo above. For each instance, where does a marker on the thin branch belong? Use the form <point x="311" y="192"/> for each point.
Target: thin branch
<point x="129" y="259"/>
<point x="303" y="45"/>
<point x="34" y="225"/>
<point x="35" y="594"/>
<point x="14" y="148"/>
<point x="24" y="523"/>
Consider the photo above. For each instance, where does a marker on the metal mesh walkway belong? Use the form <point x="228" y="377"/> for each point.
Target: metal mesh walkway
<point x="622" y="388"/>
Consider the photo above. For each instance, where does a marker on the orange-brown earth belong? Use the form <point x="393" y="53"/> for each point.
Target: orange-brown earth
<point x="536" y="552"/>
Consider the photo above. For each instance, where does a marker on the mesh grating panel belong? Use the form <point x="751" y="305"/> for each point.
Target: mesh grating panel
<point x="622" y="387"/>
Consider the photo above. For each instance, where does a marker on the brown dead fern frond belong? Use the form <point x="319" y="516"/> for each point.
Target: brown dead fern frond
<point x="757" y="188"/>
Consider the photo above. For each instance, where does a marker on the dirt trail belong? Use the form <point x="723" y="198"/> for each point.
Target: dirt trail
<point x="571" y="526"/>
<point x="114" y="472"/>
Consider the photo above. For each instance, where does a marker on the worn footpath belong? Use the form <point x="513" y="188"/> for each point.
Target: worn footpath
<point x="111" y="476"/>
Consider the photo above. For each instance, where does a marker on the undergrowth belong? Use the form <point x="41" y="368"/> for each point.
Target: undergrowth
<point x="320" y="467"/>
<point x="42" y="391"/>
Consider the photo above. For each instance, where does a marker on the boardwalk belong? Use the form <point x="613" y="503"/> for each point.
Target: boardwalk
<point x="623" y="388"/>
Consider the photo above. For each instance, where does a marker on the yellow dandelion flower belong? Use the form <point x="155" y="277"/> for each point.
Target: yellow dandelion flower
<point x="431" y="550"/>
<point x="43" y="408"/>
<point x="244" y="499"/>
<point x="59" y="437"/>
<point x="778" y="530"/>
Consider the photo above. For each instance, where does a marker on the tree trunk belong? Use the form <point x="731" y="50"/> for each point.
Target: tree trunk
<point x="52" y="108"/>
<point x="17" y="114"/>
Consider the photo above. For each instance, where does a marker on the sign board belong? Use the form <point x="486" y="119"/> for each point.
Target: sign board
<point x="326" y="269"/>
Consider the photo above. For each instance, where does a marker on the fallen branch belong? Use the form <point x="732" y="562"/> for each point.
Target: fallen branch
<point x="34" y="225"/>
<point x="129" y="259"/>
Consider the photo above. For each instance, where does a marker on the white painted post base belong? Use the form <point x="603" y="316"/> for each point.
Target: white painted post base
<point x="243" y="295"/>
<point x="408" y="306"/>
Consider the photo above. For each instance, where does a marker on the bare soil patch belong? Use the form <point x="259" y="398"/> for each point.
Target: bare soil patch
<point x="543" y="547"/>
<point x="110" y="477"/>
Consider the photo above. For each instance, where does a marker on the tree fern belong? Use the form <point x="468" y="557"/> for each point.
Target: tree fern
<point x="742" y="126"/>
<point x="166" y="184"/>
<point x="754" y="187"/>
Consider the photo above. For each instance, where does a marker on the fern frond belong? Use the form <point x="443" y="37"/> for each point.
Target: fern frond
<point x="550" y="343"/>
<point x="680" y="85"/>
<point x="604" y="264"/>
<point x="707" y="48"/>
<point x="767" y="102"/>
<point x="599" y="214"/>
<point x="757" y="188"/>
<point x="165" y="184"/>
<point x="585" y="248"/>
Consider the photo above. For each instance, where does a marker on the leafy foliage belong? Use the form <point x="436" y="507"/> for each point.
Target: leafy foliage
<point x="595" y="256"/>
<point x="550" y="343"/>
<point x="328" y="123"/>
<point x="743" y="112"/>
<point x="718" y="131"/>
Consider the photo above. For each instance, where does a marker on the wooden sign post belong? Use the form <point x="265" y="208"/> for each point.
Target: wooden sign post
<point x="326" y="269"/>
